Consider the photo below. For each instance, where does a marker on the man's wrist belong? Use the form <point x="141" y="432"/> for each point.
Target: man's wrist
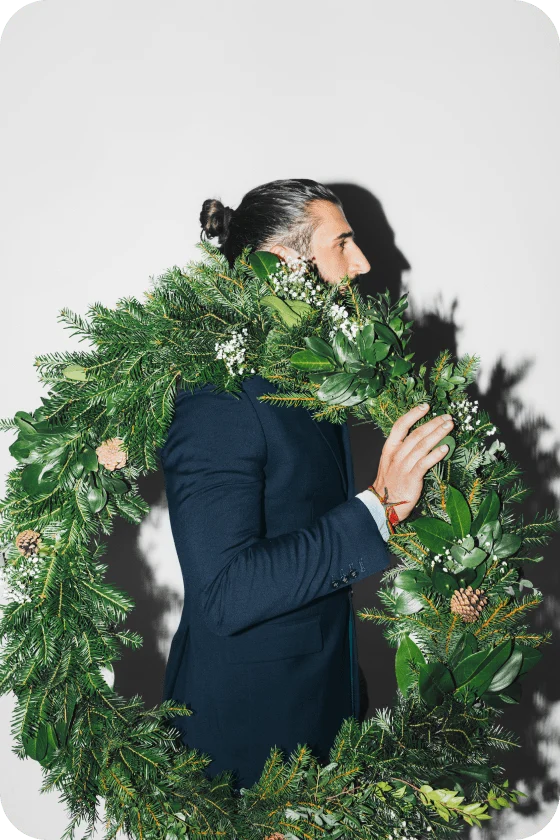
<point x="377" y="511"/>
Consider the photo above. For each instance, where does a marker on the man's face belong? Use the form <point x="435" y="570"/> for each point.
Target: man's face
<point x="333" y="249"/>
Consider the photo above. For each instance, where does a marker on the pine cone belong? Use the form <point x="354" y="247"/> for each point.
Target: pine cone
<point x="28" y="542"/>
<point x="110" y="454"/>
<point x="468" y="603"/>
<point x="275" y="836"/>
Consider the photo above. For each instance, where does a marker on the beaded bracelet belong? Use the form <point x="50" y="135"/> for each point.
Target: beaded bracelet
<point x="390" y="512"/>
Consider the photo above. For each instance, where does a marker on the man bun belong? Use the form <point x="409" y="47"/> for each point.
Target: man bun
<point x="215" y="219"/>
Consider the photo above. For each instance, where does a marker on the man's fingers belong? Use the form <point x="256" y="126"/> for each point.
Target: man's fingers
<point x="421" y="445"/>
<point x="404" y="422"/>
<point x="423" y="464"/>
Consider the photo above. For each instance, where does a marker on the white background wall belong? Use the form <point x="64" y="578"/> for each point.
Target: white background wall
<point x="119" y="117"/>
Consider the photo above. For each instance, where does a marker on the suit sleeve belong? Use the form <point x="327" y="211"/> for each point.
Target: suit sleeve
<point x="214" y="461"/>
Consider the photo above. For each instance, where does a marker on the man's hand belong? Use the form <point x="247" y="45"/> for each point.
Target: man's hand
<point x="406" y="458"/>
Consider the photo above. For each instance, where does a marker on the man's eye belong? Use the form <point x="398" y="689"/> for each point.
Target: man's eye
<point x="342" y="244"/>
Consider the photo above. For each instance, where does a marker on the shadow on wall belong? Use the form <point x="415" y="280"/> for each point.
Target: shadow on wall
<point x="530" y="768"/>
<point x="535" y="766"/>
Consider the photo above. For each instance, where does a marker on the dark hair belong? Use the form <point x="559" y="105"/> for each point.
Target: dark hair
<point x="277" y="212"/>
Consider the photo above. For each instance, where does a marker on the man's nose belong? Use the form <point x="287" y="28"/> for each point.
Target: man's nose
<point x="360" y="265"/>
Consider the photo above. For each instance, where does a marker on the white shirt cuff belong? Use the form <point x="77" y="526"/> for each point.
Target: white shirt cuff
<point x="377" y="510"/>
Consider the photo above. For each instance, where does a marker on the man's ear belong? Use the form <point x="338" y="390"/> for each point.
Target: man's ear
<point x="282" y="251"/>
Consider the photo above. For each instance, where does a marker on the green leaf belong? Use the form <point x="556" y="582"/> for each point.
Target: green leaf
<point x="22" y="449"/>
<point x="434" y="682"/>
<point x="476" y="671"/>
<point x="336" y="387"/>
<point x="407" y="604"/>
<point x="435" y="533"/>
<point x="412" y="580"/>
<point x="113" y="484"/>
<point x="88" y="459"/>
<point x="76" y="372"/>
<point x="487" y="512"/>
<point x="531" y="656"/>
<point x="376" y="353"/>
<point x="52" y="744"/>
<point x="407" y="652"/>
<point x="468" y="559"/>
<point x="386" y="334"/>
<point x="41" y="744"/>
<point x="479" y="773"/>
<point x="457" y="508"/>
<point x="34" y="479"/>
<point x="96" y="498"/>
<point x="320" y="347"/>
<point x="289" y="312"/>
<point x="450" y="441"/>
<point x="308" y="361"/>
<point x="507" y="546"/>
<point x="263" y="263"/>
<point x="344" y="351"/>
<point x="443" y="582"/>
<point x="466" y="645"/>
<point x="399" y="367"/>
<point x="508" y="672"/>
<point x="25" y="423"/>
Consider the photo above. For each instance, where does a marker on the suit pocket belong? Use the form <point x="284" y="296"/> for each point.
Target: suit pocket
<point x="275" y="641"/>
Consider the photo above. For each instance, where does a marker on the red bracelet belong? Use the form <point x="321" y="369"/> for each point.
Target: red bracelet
<point x="390" y="512"/>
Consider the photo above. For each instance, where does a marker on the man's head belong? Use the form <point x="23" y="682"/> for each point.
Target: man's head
<point x="289" y="217"/>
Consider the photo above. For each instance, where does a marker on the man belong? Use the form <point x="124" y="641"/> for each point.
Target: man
<point x="268" y="530"/>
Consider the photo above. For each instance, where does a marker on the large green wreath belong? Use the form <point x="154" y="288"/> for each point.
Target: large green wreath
<point x="455" y="605"/>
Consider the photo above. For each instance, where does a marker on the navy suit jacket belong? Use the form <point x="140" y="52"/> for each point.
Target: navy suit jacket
<point x="270" y="537"/>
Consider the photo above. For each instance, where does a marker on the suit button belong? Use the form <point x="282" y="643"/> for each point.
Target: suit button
<point x="353" y="573"/>
<point x="335" y="583"/>
<point x="344" y="579"/>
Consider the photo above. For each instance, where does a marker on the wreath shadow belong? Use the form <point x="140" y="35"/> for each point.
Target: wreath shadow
<point x="131" y="564"/>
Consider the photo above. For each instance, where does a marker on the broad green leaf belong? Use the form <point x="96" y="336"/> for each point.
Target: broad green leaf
<point x="412" y="580"/>
<point x="508" y="545"/>
<point x="88" y="459"/>
<point x="407" y="604"/>
<point x="34" y="479"/>
<point x="263" y="263"/>
<point x="365" y="337"/>
<point x="378" y="351"/>
<point x="289" y="312"/>
<point x="531" y="656"/>
<point x="480" y="773"/>
<point x="407" y="652"/>
<point x="468" y="559"/>
<point x="386" y="334"/>
<point x="306" y="360"/>
<point x="435" y="533"/>
<point x="507" y="673"/>
<point x="336" y="387"/>
<point x="41" y="742"/>
<point x="24" y="421"/>
<point x="22" y="449"/>
<point x="450" y="441"/>
<point x="457" y="508"/>
<point x="476" y="671"/>
<point x="488" y="511"/>
<point x="343" y="349"/>
<point x="319" y="347"/>
<point x="399" y="367"/>
<point x="434" y="682"/>
<point x="466" y="646"/>
<point x="113" y="484"/>
<point x="76" y="372"/>
<point x="489" y="534"/>
<point x="443" y="582"/>
<point x="96" y="498"/>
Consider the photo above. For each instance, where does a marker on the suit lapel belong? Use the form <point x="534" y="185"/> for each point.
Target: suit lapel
<point x="345" y="468"/>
